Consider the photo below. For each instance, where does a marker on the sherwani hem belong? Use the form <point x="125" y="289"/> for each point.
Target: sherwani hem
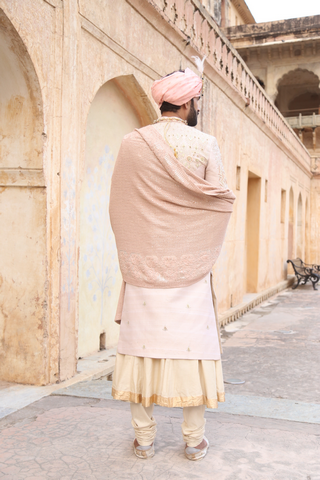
<point x="168" y="402"/>
<point x="168" y="382"/>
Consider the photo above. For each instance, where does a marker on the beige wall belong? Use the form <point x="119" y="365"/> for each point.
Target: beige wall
<point x="23" y="285"/>
<point x="235" y="16"/>
<point x="314" y="221"/>
<point x="72" y="113"/>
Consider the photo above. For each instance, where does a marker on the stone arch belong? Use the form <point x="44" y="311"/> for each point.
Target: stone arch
<point x="21" y="119"/>
<point x="23" y="319"/>
<point x="300" y="250"/>
<point x="118" y="107"/>
<point x="298" y="92"/>
<point x="290" y="224"/>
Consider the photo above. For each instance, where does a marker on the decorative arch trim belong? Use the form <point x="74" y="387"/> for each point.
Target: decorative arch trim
<point x="135" y="95"/>
<point x="290" y="73"/>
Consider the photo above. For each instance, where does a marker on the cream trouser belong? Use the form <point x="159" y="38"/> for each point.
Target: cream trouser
<point x="145" y="426"/>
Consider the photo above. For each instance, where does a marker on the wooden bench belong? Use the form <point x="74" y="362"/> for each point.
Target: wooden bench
<point x="304" y="273"/>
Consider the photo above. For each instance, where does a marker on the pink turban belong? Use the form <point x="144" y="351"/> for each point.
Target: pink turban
<point x="178" y="88"/>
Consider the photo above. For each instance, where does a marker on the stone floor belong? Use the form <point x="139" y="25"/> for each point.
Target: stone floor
<point x="14" y="396"/>
<point x="268" y="428"/>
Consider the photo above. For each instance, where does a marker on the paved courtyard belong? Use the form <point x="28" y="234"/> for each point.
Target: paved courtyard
<point x="268" y="428"/>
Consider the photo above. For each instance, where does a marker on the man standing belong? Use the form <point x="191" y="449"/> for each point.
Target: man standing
<point x="169" y="210"/>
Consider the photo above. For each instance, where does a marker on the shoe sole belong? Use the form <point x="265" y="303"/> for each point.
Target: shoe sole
<point x="144" y="454"/>
<point x="199" y="455"/>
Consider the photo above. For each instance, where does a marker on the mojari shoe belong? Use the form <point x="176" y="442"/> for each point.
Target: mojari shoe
<point x="196" y="453"/>
<point x="143" y="452"/>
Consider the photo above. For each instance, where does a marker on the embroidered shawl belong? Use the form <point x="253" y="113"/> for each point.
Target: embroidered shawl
<point x="169" y="224"/>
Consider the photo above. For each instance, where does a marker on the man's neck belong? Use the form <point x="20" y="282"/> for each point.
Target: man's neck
<point x="173" y="114"/>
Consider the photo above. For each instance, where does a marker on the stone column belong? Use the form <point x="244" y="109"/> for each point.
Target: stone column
<point x="70" y="139"/>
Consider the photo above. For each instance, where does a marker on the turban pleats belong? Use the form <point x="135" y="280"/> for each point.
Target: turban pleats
<point x="177" y="89"/>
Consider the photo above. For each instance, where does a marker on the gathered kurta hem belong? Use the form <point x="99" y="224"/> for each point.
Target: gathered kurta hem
<point x="168" y="382"/>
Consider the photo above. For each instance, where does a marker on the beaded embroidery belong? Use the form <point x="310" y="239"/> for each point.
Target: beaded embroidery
<point x="154" y="269"/>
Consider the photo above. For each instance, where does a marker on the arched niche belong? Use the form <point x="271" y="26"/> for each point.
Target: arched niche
<point x="298" y="92"/>
<point x="119" y="107"/>
<point x="290" y="224"/>
<point x="300" y="250"/>
<point x="21" y="118"/>
<point x="23" y="281"/>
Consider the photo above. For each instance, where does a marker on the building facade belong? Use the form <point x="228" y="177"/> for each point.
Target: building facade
<point x="284" y="56"/>
<point x="76" y="77"/>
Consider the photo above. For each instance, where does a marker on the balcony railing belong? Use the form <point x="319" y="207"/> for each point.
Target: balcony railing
<point x="304" y="121"/>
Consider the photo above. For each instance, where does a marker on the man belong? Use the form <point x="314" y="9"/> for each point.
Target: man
<point x="169" y="209"/>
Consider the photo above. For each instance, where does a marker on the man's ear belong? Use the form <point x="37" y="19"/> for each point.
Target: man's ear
<point x="186" y="106"/>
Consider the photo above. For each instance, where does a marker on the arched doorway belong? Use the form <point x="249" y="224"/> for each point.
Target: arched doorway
<point x="298" y="100"/>
<point x="300" y="250"/>
<point x="119" y="107"/>
<point x="298" y="92"/>
<point x="23" y="297"/>
<point x="290" y="224"/>
<point x="253" y="232"/>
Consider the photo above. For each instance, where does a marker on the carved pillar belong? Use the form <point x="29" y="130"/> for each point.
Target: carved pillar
<point x="224" y="13"/>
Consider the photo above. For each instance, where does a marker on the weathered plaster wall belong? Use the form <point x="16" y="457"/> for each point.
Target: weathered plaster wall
<point x="23" y="285"/>
<point x="23" y="261"/>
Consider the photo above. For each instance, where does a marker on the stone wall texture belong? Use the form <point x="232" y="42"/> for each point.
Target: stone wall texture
<point x="76" y="77"/>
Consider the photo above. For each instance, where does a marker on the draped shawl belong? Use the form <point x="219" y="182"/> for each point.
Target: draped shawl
<point x="169" y="224"/>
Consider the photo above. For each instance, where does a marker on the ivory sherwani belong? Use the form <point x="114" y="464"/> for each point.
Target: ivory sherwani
<point x="161" y="328"/>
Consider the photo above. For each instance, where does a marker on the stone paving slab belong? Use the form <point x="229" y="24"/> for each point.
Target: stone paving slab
<point x="93" y="389"/>
<point x="69" y="438"/>
<point x="276" y="348"/>
<point x="271" y="408"/>
<point x="234" y="404"/>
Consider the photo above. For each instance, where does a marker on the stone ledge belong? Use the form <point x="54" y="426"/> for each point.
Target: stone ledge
<point x="235" y="312"/>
